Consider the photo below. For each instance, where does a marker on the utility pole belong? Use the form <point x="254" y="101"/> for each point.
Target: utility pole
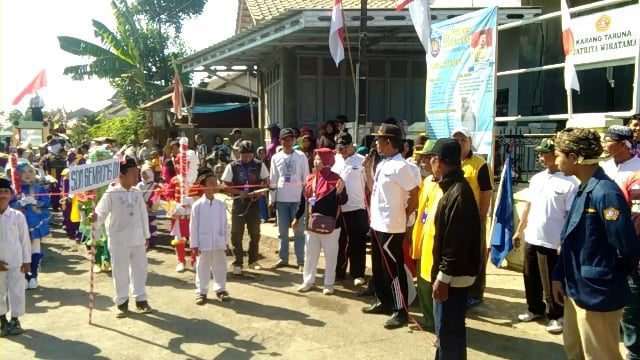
<point x="362" y="71"/>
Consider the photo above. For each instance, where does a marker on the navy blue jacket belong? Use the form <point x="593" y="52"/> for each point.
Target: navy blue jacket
<point x="599" y="247"/>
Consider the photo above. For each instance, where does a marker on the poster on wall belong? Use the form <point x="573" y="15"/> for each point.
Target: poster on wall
<point x="606" y="36"/>
<point x="461" y="68"/>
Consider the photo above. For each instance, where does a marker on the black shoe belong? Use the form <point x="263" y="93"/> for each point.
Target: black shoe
<point x="397" y="320"/>
<point x="366" y="292"/>
<point x="14" y="328"/>
<point x="4" y="328"/>
<point x="223" y="296"/>
<point x="143" y="307"/>
<point x="201" y="299"/>
<point x="123" y="309"/>
<point x="376" y="308"/>
<point x="280" y="264"/>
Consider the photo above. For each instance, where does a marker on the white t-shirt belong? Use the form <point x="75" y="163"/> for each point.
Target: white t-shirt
<point x="621" y="172"/>
<point x="288" y="175"/>
<point x="550" y="197"/>
<point x="393" y="180"/>
<point x="351" y="172"/>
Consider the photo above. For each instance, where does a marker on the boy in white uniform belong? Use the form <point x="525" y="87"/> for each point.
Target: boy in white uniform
<point x="15" y="261"/>
<point x="208" y="229"/>
<point x="124" y="212"/>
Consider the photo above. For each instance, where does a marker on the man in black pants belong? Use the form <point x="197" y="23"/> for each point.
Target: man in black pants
<point x="241" y="178"/>
<point x="353" y="220"/>
<point x="394" y="196"/>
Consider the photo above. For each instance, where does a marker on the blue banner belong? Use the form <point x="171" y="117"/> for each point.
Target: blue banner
<point x="502" y="226"/>
<point x="461" y="65"/>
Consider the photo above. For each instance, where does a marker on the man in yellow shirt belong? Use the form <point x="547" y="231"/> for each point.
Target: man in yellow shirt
<point x="422" y="238"/>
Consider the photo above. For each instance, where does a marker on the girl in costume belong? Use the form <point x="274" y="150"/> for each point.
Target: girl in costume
<point x="34" y="201"/>
<point x="149" y="189"/>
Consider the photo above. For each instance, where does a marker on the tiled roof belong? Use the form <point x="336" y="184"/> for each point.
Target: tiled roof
<point x="262" y="10"/>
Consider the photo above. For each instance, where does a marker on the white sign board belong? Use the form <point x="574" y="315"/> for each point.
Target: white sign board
<point x="607" y="35"/>
<point x="92" y="176"/>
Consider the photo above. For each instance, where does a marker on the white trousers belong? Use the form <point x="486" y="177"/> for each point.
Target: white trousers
<point x="314" y="242"/>
<point x="12" y="288"/>
<point x="129" y="266"/>
<point x="211" y="262"/>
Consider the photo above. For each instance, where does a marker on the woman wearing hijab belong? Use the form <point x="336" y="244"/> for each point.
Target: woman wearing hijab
<point x="324" y="190"/>
<point x="272" y="148"/>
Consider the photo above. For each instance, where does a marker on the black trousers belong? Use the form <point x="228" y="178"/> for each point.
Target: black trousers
<point x="539" y="262"/>
<point x="477" y="289"/>
<point x="250" y="219"/>
<point x="353" y="242"/>
<point x="389" y="274"/>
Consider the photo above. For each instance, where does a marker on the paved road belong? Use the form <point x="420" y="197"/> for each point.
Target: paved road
<point x="266" y="319"/>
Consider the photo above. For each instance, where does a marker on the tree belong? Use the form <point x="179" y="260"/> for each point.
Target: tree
<point x="136" y="57"/>
<point x="124" y="129"/>
<point x="169" y="13"/>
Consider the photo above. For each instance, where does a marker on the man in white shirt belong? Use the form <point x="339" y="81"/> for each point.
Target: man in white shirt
<point x="618" y="141"/>
<point x="123" y="211"/>
<point x="549" y="198"/>
<point x="289" y="171"/>
<point x="15" y="261"/>
<point x="393" y="199"/>
<point x="354" y="220"/>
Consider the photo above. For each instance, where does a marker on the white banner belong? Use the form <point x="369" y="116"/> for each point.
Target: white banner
<point x="92" y="176"/>
<point x="607" y="35"/>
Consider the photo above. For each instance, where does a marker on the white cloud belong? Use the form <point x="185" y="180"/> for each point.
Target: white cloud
<point x="28" y="43"/>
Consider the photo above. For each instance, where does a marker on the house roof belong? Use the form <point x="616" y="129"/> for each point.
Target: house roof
<point x="262" y="10"/>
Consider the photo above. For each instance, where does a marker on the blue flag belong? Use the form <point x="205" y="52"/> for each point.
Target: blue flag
<point x="502" y="227"/>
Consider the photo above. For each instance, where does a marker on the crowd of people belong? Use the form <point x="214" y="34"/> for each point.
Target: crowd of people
<point x="421" y="205"/>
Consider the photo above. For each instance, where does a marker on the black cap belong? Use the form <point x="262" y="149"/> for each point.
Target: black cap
<point x="204" y="174"/>
<point x="344" y="139"/>
<point x="245" y="147"/>
<point x="389" y="130"/>
<point x="447" y="151"/>
<point x="235" y="131"/>
<point x="286" y="132"/>
<point x="127" y="164"/>
<point x="5" y="183"/>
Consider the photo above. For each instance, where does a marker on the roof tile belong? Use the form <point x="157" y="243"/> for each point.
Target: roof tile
<point x="262" y="10"/>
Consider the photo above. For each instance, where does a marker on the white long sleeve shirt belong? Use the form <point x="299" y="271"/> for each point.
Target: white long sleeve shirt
<point x="287" y="177"/>
<point x="124" y="214"/>
<point x="15" y="244"/>
<point x="208" y="225"/>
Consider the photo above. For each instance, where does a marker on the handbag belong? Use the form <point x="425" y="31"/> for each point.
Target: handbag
<point x="318" y="223"/>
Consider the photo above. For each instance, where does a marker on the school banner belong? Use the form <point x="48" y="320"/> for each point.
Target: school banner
<point x="92" y="176"/>
<point x="606" y="36"/>
<point x="461" y="68"/>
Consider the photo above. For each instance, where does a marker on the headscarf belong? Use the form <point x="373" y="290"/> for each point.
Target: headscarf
<point x="272" y="148"/>
<point x="325" y="180"/>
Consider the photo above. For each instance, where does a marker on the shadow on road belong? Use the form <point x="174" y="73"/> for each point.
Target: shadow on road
<point x="254" y="309"/>
<point x="511" y="347"/>
<point x="46" y="346"/>
<point x="61" y="298"/>
<point x="512" y="293"/>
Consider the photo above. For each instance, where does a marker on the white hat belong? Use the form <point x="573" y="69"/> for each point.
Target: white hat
<point x="462" y="130"/>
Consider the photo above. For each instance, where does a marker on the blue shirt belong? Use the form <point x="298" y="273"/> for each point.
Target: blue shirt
<point x="599" y="246"/>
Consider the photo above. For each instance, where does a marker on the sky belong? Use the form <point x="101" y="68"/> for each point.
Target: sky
<point x="28" y="44"/>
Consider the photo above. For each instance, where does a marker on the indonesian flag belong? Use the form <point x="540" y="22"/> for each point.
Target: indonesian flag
<point x="36" y="84"/>
<point x="336" y="35"/>
<point x="420" y="12"/>
<point x="176" y="97"/>
<point x="570" y="75"/>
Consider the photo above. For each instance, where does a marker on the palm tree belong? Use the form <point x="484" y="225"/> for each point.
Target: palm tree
<point x="119" y="59"/>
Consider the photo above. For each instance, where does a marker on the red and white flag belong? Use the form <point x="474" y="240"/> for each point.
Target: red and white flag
<point x="420" y="11"/>
<point x="570" y="74"/>
<point x="36" y="84"/>
<point x="401" y="4"/>
<point x="336" y="35"/>
<point x="176" y="97"/>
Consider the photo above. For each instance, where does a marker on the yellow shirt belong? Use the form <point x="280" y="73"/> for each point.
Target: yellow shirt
<point x="471" y="167"/>
<point x="424" y="228"/>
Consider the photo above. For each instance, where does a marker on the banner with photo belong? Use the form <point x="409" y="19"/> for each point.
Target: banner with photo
<point x="461" y="65"/>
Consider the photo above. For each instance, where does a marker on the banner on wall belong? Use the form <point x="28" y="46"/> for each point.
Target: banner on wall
<point x="606" y="36"/>
<point x="461" y="68"/>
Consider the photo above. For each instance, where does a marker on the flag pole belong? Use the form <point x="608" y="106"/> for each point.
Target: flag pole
<point x="361" y="95"/>
<point x="570" y="104"/>
<point x="346" y="36"/>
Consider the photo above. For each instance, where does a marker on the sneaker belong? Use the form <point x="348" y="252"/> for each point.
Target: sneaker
<point x="223" y="296"/>
<point x="143" y="307"/>
<point x="14" y="328"/>
<point x="528" y="316"/>
<point x="359" y="281"/>
<point x="375" y="308"/>
<point x="201" y="299"/>
<point x="473" y="302"/>
<point x="280" y="264"/>
<point x="123" y="310"/>
<point x="328" y="291"/>
<point x="555" y="327"/>
<point x="180" y="267"/>
<point x="237" y="270"/>
<point x="255" y="266"/>
<point x="305" y="288"/>
<point x="33" y="284"/>
<point x="106" y="266"/>
<point x="397" y="320"/>
<point x="97" y="269"/>
<point x="301" y="269"/>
